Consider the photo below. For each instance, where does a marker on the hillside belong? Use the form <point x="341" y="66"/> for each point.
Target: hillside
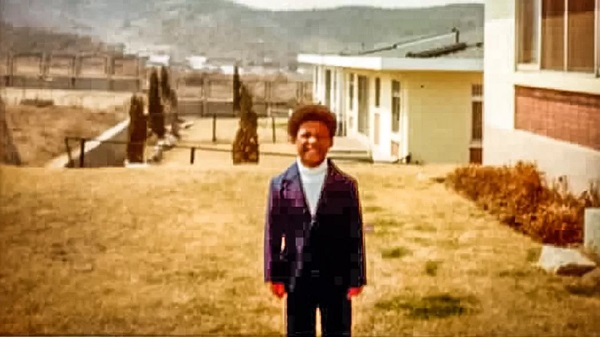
<point x="224" y="28"/>
<point x="28" y="39"/>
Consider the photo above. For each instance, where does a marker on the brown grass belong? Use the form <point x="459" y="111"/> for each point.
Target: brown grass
<point x="39" y="133"/>
<point x="178" y="250"/>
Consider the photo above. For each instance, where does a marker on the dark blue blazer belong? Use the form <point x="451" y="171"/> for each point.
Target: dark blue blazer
<point x="339" y="217"/>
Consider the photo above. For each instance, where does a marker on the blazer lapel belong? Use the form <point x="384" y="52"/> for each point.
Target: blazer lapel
<point x="328" y="185"/>
<point x="294" y="191"/>
<point x="292" y="188"/>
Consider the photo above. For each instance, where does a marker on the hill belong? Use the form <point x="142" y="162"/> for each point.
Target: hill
<point x="227" y="29"/>
<point x="29" y="39"/>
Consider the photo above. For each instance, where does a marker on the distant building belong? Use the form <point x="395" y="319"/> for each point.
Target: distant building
<point x="157" y="60"/>
<point x="197" y="62"/>
<point x="420" y="100"/>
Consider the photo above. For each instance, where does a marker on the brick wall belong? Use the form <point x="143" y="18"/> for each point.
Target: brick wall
<point x="565" y="116"/>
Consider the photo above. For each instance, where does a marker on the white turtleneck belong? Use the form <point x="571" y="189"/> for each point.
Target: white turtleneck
<point x="313" y="179"/>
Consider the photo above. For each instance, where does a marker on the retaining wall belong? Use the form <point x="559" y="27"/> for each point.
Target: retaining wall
<point x="97" y="153"/>
<point x="90" y="99"/>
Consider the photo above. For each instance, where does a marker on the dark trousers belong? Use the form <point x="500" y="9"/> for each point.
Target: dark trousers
<point x="334" y="306"/>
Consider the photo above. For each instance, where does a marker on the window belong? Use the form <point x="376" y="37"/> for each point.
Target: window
<point x="477" y="90"/>
<point x="476" y="112"/>
<point x="363" y="105"/>
<point x="334" y="93"/>
<point x="528" y="16"/>
<point x="477" y="121"/>
<point x="396" y="106"/>
<point x="351" y="91"/>
<point x="581" y="34"/>
<point x="560" y="35"/>
<point x="377" y="91"/>
<point x="328" y="88"/>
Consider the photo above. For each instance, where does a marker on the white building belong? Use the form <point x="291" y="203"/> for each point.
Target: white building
<point x="418" y="101"/>
<point x="542" y="86"/>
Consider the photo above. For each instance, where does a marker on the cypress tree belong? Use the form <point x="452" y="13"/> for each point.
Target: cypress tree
<point x="137" y="130"/>
<point x="245" y="146"/>
<point x="236" y="90"/>
<point x="155" y="107"/>
<point x="165" y="86"/>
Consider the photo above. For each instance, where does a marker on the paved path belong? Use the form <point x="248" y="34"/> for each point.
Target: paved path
<point x="216" y="154"/>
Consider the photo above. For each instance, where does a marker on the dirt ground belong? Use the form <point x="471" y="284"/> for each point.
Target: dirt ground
<point x="178" y="251"/>
<point x="39" y="133"/>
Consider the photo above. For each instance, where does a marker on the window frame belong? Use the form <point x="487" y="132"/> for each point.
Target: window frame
<point x="351" y="91"/>
<point x="377" y="92"/>
<point x="537" y="65"/>
<point x="396" y="125"/>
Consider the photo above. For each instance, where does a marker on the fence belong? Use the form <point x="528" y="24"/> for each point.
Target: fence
<point x="80" y="157"/>
<point x="87" y="152"/>
<point x="73" y="71"/>
<point x="215" y="96"/>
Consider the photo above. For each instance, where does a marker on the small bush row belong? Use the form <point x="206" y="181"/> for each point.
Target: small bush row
<point x="523" y="199"/>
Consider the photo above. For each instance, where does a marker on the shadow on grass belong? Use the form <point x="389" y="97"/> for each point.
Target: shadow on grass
<point x="533" y="254"/>
<point x="385" y="222"/>
<point x="425" y="228"/>
<point x="395" y="253"/>
<point x="431" y="307"/>
<point x="373" y="209"/>
<point x="583" y="290"/>
<point x="431" y="267"/>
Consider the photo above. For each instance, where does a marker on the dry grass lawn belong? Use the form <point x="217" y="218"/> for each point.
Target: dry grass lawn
<point x="178" y="250"/>
<point x="226" y="129"/>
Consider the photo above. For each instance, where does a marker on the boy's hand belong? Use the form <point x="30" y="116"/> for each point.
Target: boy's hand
<point x="278" y="289"/>
<point x="354" y="292"/>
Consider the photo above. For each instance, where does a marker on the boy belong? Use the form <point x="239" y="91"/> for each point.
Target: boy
<point x="314" y="245"/>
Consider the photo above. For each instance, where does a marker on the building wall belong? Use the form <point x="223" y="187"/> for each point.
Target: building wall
<point x="503" y="143"/>
<point x="440" y="110"/>
<point x="566" y="116"/>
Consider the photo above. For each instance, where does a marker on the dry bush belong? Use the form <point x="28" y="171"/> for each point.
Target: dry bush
<point x="521" y="197"/>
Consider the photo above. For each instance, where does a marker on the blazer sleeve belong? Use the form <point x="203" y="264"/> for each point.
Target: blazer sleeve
<point x="274" y="267"/>
<point x="358" y="273"/>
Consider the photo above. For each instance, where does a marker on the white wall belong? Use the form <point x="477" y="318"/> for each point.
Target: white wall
<point x="499" y="63"/>
<point x="502" y="144"/>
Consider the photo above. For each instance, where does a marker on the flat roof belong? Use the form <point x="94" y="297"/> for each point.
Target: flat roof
<point x="394" y="63"/>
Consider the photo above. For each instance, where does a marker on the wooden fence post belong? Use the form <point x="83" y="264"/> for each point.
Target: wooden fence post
<point x="192" y="155"/>
<point x="82" y="152"/>
<point x="68" y="148"/>
<point x="273" y="127"/>
<point x="214" y="128"/>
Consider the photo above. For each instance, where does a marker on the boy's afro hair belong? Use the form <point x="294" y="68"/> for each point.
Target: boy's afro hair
<point x="312" y="112"/>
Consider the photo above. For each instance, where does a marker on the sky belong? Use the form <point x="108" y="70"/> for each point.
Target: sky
<point x="309" y="4"/>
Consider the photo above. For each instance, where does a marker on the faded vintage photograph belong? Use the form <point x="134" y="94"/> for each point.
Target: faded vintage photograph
<point x="300" y="167"/>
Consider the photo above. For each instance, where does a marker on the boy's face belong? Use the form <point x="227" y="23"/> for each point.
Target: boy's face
<point x="312" y="143"/>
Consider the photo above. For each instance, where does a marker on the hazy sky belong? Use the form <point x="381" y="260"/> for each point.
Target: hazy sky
<point x="309" y="4"/>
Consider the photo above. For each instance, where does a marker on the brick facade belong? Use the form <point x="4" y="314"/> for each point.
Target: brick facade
<point x="566" y="116"/>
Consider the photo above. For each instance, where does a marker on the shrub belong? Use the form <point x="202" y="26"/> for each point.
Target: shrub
<point x="520" y="196"/>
